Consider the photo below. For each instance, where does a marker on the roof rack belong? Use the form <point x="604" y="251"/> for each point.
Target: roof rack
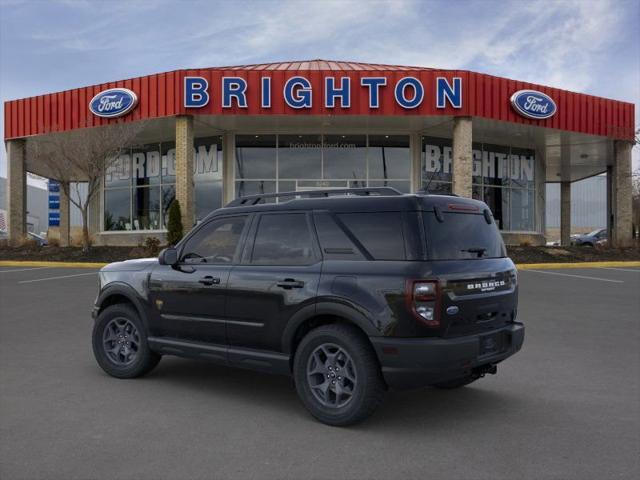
<point x="255" y="199"/>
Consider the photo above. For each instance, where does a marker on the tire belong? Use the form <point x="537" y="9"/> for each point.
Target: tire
<point x="119" y="326"/>
<point x="318" y="360"/>
<point x="456" y="383"/>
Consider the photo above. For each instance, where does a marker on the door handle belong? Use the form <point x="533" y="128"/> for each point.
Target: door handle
<point x="289" y="283"/>
<point x="209" y="280"/>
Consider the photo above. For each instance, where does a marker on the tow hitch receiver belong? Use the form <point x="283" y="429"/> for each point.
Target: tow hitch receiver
<point x="483" y="370"/>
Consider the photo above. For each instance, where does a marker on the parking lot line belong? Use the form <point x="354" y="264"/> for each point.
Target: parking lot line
<point x="23" y="269"/>
<point x="576" y="276"/>
<point x="57" y="278"/>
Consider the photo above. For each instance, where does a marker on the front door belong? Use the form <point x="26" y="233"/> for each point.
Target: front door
<point x="189" y="299"/>
<point x="278" y="276"/>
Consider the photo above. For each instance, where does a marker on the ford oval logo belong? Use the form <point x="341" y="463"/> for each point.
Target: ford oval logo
<point x="533" y="104"/>
<point x="114" y="102"/>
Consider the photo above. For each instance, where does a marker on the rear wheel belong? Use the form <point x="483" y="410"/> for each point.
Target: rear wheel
<point x="120" y="343"/>
<point x="337" y="375"/>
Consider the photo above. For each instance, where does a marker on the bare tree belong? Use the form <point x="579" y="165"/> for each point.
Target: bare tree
<point x="82" y="156"/>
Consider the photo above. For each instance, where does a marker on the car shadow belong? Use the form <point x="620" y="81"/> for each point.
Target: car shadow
<point x="405" y="411"/>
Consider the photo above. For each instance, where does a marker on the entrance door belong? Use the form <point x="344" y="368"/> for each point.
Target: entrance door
<point x="189" y="299"/>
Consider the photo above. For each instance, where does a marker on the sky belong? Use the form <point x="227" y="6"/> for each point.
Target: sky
<point x="589" y="46"/>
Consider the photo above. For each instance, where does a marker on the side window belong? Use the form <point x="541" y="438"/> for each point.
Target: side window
<point x="283" y="239"/>
<point x="380" y="233"/>
<point x="335" y="244"/>
<point x="215" y="243"/>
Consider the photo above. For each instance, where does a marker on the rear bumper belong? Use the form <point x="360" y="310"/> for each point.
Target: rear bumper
<point x="417" y="362"/>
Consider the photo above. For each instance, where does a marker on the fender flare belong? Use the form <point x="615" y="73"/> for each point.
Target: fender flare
<point x="342" y="310"/>
<point x="125" y="290"/>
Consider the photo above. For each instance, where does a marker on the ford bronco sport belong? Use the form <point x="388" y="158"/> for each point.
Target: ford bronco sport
<point x="350" y="292"/>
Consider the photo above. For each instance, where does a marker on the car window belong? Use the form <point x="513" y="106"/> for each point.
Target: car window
<point x="380" y="233"/>
<point x="462" y="236"/>
<point x="283" y="239"/>
<point x="215" y="243"/>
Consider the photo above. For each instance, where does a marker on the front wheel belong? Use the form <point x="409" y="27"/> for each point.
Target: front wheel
<point x="120" y="343"/>
<point x="337" y="375"/>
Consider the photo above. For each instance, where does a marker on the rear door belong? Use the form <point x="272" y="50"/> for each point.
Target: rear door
<point x="278" y="276"/>
<point x="189" y="299"/>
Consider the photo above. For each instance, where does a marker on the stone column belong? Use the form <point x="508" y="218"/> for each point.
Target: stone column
<point x="65" y="216"/>
<point x="621" y="235"/>
<point x="415" y="145"/>
<point x="462" y="156"/>
<point x="228" y="167"/>
<point x="565" y="213"/>
<point x="184" y="170"/>
<point x="16" y="191"/>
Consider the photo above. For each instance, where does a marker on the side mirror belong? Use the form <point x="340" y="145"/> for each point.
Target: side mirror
<point x="168" y="256"/>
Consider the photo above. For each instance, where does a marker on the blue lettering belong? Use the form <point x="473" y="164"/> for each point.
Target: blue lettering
<point x="445" y="92"/>
<point x="234" y="87"/>
<point x="297" y="92"/>
<point x="331" y="92"/>
<point x="266" y="92"/>
<point x="400" y="92"/>
<point x="374" y="84"/>
<point x="195" y="92"/>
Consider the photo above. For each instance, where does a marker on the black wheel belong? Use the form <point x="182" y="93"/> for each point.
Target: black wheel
<point x="337" y="375"/>
<point x="120" y="343"/>
<point x="456" y="383"/>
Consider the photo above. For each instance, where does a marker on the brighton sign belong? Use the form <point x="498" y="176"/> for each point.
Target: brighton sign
<point x="533" y="104"/>
<point x="113" y="103"/>
<point x="408" y="92"/>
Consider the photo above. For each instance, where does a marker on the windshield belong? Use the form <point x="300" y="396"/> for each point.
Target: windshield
<point x="462" y="236"/>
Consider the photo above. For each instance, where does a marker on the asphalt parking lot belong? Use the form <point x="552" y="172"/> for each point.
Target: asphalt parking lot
<point x="567" y="406"/>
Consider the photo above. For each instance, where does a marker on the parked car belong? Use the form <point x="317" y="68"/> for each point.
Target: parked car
<point x="591" y="239"/>
<point x="350" y="295"/>
<point x="42" y="241"/>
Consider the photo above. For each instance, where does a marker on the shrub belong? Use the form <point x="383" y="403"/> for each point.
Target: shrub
<point x="152" y="246"/>
<point x="174" y="225"/>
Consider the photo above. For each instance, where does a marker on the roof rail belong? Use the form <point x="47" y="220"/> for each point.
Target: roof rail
<point x="255" y="199"/>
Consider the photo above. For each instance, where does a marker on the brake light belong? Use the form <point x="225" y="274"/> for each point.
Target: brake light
<point x="462" y="207"/>
<point x="423" y="301"/>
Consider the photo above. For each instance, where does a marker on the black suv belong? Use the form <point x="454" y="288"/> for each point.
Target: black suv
<point x="350" y="292"/>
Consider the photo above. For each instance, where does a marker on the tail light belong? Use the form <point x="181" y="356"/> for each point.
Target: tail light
<point x="423" y="301"/>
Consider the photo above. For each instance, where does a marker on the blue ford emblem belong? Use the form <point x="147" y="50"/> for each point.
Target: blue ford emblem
<point x="452" y="310"/>
<point x="533" y="104"/>
<point x="114" y="102"/>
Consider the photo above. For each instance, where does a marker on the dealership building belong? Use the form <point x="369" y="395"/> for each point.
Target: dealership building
<point x="207" y="136"/>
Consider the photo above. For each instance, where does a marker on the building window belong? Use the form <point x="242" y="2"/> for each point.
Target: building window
<point x="285" y="163"/>
<point x="503" y="177"/>
<point x="140" y="185"/>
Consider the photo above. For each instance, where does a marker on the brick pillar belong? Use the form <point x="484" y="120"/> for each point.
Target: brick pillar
<point x="65" y="216"/>
<point x="184" y="170"/>
<point x="16" y="191"/>
<point x="462" y="156"/>
<point x="565" y="213"/>
<point x="621" y="185"/>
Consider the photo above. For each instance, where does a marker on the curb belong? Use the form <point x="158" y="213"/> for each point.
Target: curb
<point x="526" y="266"/>
<point x="28" y="263"/>
<point x="520" y="266"/>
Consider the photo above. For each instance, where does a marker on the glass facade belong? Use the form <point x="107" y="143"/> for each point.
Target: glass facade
<point x="283" y="163"/>
<point x="140" y="184"/>
<point x="503" y="177"/>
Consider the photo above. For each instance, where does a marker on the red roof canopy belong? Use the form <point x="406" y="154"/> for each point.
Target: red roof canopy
<point x="161" y="95"/>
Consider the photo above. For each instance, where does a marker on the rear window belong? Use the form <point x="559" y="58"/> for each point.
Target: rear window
<point x="462" y="236"/>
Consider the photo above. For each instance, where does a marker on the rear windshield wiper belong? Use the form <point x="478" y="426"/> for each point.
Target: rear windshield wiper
<point x="479" y="250"/>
